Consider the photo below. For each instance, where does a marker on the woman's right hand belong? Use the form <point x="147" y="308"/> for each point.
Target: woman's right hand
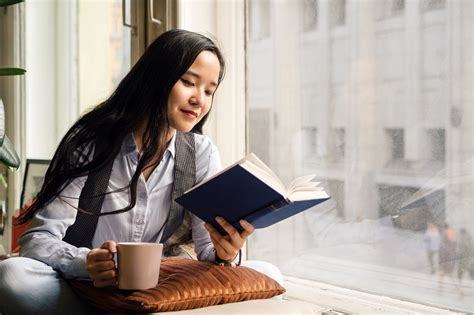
<point x="101" y="265"/>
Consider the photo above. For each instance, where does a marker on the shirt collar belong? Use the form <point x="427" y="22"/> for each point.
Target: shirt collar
<point x="172" y="147"/>
<point x="129" y="146"/>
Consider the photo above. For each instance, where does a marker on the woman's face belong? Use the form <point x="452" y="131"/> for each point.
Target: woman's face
<point x="190" y="98"/>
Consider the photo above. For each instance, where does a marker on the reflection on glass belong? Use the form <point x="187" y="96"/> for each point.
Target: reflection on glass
<point x="378" y="109"/>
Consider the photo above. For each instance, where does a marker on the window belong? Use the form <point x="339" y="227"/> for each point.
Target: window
<point x="389" y="8"/>
<point x="398" y="5"/>
<point x="369" y="106"/>
<point x="437" y="144"/>
<point x="396" y="144"/>
<point x="339" y="143"/>
<point x="429" y="5"/>
<point x="335" y="188"/>
<point x="338" y="12"/>
<point x="310" y="15"/>
<point x="112" y="39"/>
<point x="69" y="70"/>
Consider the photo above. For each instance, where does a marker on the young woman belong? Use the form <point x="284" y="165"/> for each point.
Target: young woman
<point x="114" y="177"/>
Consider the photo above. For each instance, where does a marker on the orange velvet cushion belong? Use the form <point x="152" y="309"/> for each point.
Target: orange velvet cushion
<point x="184" y="284"/>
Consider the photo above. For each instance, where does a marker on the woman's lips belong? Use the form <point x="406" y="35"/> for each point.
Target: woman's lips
<point x="190" y="113"/>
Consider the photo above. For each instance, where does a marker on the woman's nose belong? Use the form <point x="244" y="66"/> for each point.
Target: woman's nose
<point x="198" y="98"/>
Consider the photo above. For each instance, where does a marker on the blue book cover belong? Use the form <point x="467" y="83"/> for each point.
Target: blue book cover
<point x="244" y="191"/>
<point x="271" y="215"/>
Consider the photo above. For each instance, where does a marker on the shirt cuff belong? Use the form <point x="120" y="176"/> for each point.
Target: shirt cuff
<point x="235" y="262"/>
<point x="78" y="266"/>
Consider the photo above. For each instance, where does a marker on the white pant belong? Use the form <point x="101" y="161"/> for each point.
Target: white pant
<point x="28" y="286"/>
<point x="266" y="268"/>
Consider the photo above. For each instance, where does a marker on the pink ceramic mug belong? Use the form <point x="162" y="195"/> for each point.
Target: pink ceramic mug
<point x="138" y="265"/>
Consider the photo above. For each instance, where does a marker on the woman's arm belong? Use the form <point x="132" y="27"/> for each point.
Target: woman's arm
<point x="208" y="241"/>
<point x="61" y="256"/>
<point x="202" y="241"/>
<point x="208" y="163"/>
<point x="43" y="240"/>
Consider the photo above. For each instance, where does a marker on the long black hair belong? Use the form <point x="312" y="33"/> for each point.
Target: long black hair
<point x="141" y="98"/>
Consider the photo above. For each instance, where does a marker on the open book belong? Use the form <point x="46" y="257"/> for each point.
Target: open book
<point x="250" y="190"/>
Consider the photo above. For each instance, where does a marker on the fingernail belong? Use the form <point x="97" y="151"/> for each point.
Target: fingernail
<point x="219" y="219"/>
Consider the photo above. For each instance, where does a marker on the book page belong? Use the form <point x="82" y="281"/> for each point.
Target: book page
<point x="255" y="160"/>
<point x="303" y="188"/>
<point x="300" y="180"/>
<point x="308" y="195"/>
<point x="265" y="177"/>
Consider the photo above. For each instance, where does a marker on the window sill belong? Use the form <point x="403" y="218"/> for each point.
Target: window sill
<point x="325" y="296"/>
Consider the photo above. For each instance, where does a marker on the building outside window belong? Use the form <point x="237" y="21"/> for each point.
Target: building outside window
<point x="379" y="97"/>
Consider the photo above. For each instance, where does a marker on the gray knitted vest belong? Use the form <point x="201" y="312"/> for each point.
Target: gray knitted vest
<point x="177" y="229"/>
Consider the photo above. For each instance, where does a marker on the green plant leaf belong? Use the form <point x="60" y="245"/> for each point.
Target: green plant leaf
<point x="8" y="155"/>
<point x="4" y="3"/>
<point x="12" y="71"/>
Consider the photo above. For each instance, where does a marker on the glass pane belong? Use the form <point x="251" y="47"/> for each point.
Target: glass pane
<point x="103" y="49"/>
<point x="377" y="102"/>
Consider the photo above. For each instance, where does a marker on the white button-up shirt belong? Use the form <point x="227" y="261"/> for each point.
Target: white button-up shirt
<point x="143" y="223"/>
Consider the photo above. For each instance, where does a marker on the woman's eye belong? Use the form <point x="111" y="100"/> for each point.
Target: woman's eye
<point x="186" y="82"/>
<point x="209" y="93"/>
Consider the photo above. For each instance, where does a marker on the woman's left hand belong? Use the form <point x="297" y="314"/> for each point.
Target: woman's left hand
<point x="228" y="246"/>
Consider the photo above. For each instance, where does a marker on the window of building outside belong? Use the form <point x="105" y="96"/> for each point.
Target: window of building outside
<point x="382" y="114"/>
<point x="396" y="144"/>
<point x="310" y="15"/>
<point x="428" y="5"/>
<point x="337" y="12"/>
<point x="389" y="8"/>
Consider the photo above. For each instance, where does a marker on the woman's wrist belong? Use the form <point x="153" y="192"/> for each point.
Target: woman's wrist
<point x="230" y="262"/>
